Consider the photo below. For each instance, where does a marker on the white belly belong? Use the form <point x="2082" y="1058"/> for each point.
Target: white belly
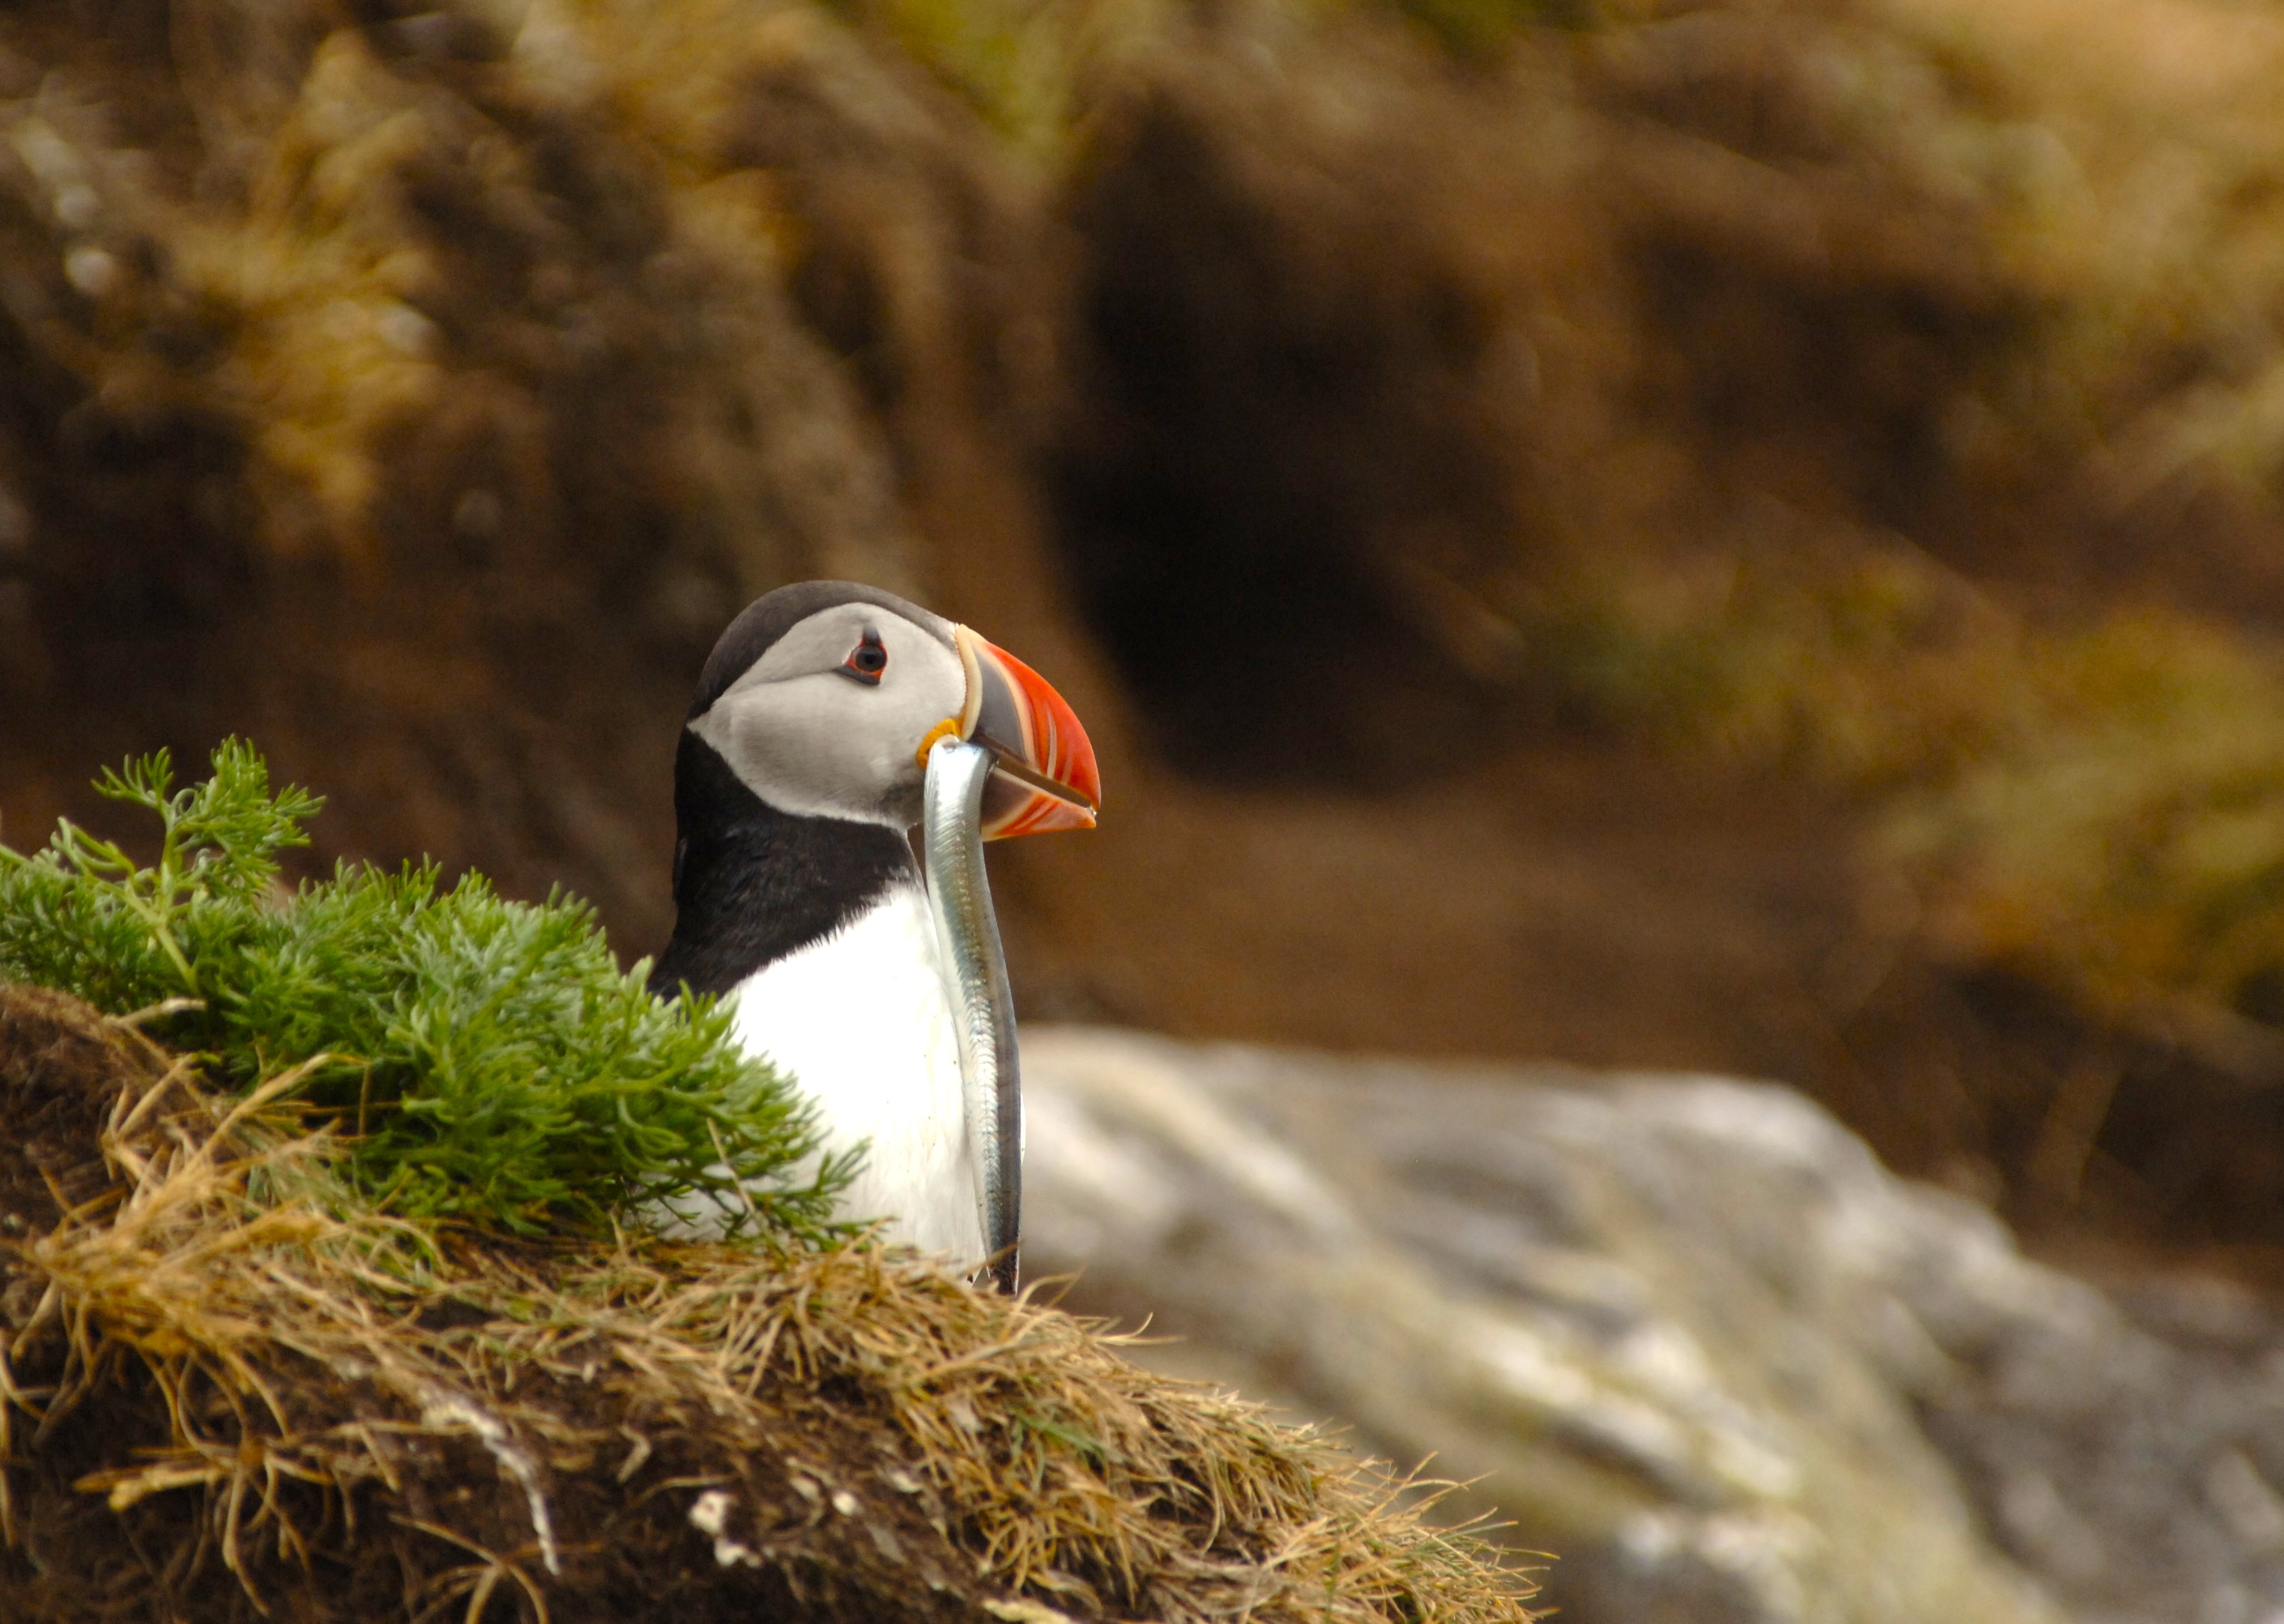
<point x="861" y="1022"/>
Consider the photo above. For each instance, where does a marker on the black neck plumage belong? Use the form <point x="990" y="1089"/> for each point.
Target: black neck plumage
<point x="753" y="884"/>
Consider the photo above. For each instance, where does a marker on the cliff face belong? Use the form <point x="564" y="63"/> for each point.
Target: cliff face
<point x="439" y="386"/>
<point x="1738" y="534"/>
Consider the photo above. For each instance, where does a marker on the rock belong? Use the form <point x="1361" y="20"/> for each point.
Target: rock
<point x="1683" y="1332"/>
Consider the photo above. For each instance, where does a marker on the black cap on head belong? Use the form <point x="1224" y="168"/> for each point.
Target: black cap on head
<point x="771" y="615"/>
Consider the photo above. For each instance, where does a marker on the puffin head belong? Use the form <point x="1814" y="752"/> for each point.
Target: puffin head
<point x="824" y="699"/>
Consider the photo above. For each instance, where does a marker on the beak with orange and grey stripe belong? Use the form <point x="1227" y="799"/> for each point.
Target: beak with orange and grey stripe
<point x="1045" y="777"/>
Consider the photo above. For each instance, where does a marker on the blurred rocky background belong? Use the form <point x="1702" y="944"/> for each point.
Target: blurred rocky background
<point x="1741" y="538"/>
<point x="1684" y="1332"/>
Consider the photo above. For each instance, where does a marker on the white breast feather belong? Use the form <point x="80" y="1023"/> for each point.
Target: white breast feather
<point x="862" y="1023"/>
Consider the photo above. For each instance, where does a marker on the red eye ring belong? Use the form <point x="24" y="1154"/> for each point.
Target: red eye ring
<point x="867" y="660"/>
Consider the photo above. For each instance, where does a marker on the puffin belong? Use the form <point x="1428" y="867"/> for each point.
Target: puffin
<point x="834" y="724"/>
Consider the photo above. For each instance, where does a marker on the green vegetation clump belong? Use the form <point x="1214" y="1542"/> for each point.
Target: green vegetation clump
<point x="489" y="1058"/>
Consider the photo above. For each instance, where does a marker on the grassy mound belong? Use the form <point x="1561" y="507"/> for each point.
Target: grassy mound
<point x="217" y="1398"/>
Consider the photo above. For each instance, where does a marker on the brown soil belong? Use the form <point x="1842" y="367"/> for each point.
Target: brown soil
<point x="59" y="1073"/>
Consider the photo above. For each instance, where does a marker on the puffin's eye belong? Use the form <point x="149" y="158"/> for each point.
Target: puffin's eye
<point x="866" y="660"/>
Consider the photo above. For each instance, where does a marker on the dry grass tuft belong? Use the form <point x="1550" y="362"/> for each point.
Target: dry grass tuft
<point x="208" y="1362"/>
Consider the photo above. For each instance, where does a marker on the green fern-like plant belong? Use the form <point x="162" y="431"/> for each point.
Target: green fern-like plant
<point x="488" y="1058"/>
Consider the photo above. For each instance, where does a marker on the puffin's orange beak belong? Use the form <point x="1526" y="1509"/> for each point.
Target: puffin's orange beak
<point x="1045" y="778"/>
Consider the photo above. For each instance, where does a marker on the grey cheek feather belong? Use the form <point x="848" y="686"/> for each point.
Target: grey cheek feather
<point x="794" y="755"/>
<point x="817" y="744"/>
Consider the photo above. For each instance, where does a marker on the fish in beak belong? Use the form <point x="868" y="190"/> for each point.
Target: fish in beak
<point x="1043" y="776"/>
<point x="1013" y="761"/>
